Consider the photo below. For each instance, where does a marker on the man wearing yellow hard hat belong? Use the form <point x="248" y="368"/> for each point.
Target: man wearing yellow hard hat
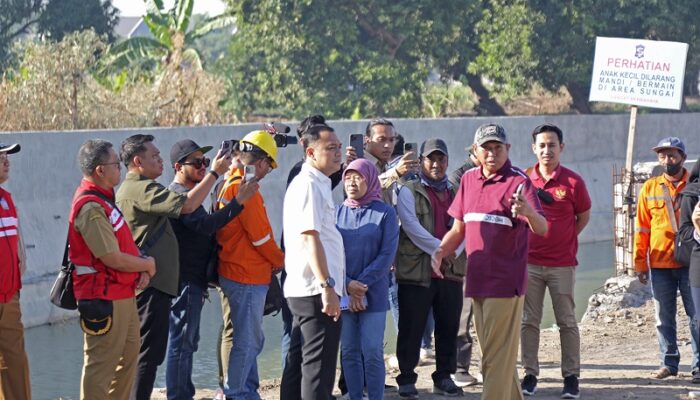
<point x="247" y="259"/>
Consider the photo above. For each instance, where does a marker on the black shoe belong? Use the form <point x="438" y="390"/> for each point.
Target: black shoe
<point x="447" y="387"/>
<point x="408" y="391"/>
<point x="529" y="385"/>
<point x="696" y="376"/>
<point x="571" y="390"/>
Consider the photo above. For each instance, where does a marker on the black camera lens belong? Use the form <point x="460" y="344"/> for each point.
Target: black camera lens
<point x="284" y="140"/>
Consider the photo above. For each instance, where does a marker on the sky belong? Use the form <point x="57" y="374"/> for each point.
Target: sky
<point x="132" y="8"/>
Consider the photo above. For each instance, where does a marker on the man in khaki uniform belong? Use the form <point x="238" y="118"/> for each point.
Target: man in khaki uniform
<point x="147" y="205"/>
<point x="108" y="269"/>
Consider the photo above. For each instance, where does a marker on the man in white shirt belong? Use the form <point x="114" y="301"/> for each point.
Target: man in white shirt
<point x="315" y="266"/>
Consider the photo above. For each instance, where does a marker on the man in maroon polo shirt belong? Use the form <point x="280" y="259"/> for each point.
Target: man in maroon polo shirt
<point x="494" y="211"/>
<point x="552" y="259"/>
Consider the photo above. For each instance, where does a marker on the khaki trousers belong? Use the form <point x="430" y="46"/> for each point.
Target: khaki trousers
<point x="14" y="367"/>
<point x="560" y="281"/>
<point x="109" y="367"/>
<point x="497" y="321"/>
<point x="225" y="338"/>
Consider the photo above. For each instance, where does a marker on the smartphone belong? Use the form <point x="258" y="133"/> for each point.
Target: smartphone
<point x="249" y="172"/>
<point x="411" y="146"/>
<point x="357" y="141"/>
<point x="226" y="147"/>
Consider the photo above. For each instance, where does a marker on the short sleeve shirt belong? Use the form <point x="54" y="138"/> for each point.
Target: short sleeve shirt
<point x="558" y="247"/>
<point x="146" y="205"/>
<point x="496" y="243"/>
<point x="308" y="206"/>
<point x="96" y="230"/>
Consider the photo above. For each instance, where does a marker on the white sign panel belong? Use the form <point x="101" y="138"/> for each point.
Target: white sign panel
<point x="646" y="73"/>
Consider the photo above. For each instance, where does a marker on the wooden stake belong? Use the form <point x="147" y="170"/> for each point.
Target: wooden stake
<point x="629" y="190"/>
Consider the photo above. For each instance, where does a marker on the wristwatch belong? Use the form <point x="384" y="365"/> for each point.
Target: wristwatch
<point x="328" y="283"/>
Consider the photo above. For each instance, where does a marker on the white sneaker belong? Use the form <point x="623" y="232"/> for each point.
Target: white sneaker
<point x="426" y="354"/>
<point x="694" y="394"/>
<point x="219" y="395"/>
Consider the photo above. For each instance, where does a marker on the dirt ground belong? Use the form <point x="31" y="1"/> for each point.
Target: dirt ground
<point x="619" y="352"/>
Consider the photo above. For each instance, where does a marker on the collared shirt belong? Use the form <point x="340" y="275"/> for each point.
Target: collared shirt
<point x="146" y="204"/>
<point x="96" y="230"/>
<point x="558" y="247"/>
<point x="308" y="206"/>
<point x="496" y="243"/>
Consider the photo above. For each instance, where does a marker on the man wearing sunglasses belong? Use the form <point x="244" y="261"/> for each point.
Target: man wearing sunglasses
<point x="552" y="259"/>
<point x="195" y="234"/>
<point x="147" y="207"/>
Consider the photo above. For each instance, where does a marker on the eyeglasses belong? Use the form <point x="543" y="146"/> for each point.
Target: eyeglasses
<point x="117" y="163"/>
<point x="198" y="162"/>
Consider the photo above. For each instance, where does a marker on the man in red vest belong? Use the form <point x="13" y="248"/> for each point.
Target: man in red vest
<point x="14" y="367"/>
<point x="108" y="270"/>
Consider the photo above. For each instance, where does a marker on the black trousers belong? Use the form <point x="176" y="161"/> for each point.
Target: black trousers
<point x="445" y="297"/>
<point x="154" y="315"/>
<point x="465" y="342"/>
<point x="309" y="371"/>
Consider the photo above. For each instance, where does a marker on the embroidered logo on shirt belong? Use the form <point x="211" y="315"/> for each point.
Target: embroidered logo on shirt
<point x="560" y="194"/>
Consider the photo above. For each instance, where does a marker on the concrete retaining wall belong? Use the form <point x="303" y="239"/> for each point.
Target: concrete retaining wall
<point x="44" y="174"/>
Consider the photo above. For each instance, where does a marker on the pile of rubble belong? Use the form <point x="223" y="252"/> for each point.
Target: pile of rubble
<point x="615" y="298"/>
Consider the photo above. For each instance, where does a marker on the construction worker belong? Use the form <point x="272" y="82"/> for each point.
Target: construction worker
<point x="247" y="260"/>
<point x="658" y="212"/>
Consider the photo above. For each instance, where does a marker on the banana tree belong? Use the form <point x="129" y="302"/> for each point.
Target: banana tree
<point x="171" y="44"/>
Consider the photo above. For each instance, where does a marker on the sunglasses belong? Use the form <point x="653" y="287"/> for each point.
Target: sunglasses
<point x="198" y="162"/>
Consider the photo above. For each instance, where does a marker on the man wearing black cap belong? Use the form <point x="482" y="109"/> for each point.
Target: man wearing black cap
<point x="147" y="206"/>
<point x="195" y="234"/>
<point x="14" y="367"/>
<point x="422" y="208"/>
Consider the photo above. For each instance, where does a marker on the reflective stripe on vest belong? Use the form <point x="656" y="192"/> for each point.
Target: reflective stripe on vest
<point x="84" y="270"/>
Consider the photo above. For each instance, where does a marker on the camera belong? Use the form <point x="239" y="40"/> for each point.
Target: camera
<point x="279" y="133"/>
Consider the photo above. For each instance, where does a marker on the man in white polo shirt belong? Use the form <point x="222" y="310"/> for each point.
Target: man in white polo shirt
<point x="315" y="266"/>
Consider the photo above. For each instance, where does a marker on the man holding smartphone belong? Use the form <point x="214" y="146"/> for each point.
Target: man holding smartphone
<point x="147" y="207"/>
<point x="380" y="139"/>
<point x="195" y="234"/>
<point x="247" y="260"/>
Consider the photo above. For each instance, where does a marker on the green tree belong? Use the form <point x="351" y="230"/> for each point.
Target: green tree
<point x="552" y="43"/>
<point x="61" y="17"/>
<point x="16" y="17"/>
<point x="171" y="44"/>
<point x="293" y="57"/>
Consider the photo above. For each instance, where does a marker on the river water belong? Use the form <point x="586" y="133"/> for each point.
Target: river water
<point x="56" y="355"/>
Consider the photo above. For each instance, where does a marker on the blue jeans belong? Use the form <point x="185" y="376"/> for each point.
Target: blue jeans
<point x="286" y="324"/>
<point x="394" y="299"/>
<point x="185" y="314"/>
<point x="665" y="284"/>
<point x="247" y="305"/>
<point x="362" y="338"/>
